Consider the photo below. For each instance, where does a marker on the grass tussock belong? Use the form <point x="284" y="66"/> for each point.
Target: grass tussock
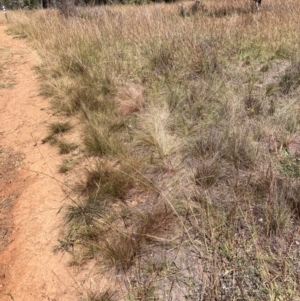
<point x="59" y="127"/>
<point x="56" y="129"/>
<point x="108" y="295"/>
<point x="129" y="99"/>
<point x="120" y="252"/>
<point x="66" y="165"/>
<point x="110" y="181"/>
<point x="190" y="124"/>
<point x="66" y="147"/>
<point x="291" y="78"/>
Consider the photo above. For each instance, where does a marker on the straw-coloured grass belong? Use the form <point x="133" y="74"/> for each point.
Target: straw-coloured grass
<point x="191" y="125"/>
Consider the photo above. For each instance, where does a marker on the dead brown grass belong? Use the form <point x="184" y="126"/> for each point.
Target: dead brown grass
<point x="192" y="111"/>
<point x="129" y="99"/>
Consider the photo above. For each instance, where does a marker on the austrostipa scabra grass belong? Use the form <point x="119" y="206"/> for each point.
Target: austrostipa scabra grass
<point x="192" y="137"/>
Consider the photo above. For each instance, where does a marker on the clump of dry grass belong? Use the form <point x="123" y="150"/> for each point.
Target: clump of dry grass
<point x="129" y="99"/>
<point x="121" y="251"/>
<point x="107" y="295"/>
<point x="195" y="125"/>
<point x="55" y="129"/>
<point x="291" y="79"/>
<point x="106" y="180"/>
<point x="99" y="140"/>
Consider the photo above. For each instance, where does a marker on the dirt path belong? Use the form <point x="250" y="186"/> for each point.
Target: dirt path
<point x="29" y="199"/>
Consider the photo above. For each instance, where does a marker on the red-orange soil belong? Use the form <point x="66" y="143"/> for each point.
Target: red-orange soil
<point x="30" y="195"/>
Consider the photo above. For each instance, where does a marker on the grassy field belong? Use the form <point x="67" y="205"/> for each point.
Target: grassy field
<point x="189" y="119"/>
